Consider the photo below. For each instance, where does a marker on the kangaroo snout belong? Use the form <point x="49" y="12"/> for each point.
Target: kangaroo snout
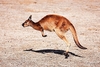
<point x="23" y="24"/>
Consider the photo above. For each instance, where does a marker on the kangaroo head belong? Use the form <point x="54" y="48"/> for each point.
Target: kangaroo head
<point x="27" y="22"/>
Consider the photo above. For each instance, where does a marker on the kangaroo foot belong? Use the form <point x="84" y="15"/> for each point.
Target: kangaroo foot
<point x="66" y="54"/>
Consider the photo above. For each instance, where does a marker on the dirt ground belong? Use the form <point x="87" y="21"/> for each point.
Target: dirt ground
<point x="25" y="47"/>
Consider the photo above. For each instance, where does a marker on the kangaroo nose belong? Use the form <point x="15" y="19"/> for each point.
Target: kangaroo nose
<point x="23" y="24"/>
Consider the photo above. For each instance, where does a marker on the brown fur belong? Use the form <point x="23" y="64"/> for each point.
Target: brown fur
<point x="59" y="24"/>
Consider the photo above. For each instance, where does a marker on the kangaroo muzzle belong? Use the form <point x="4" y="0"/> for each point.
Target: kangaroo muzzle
<point x="23" y="24"/>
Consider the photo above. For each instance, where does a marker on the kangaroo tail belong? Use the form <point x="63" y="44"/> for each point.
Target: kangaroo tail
<point x="72" y="29"/>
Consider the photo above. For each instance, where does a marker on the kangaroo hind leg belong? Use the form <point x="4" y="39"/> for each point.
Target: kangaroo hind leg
<point x="62" y="36"/>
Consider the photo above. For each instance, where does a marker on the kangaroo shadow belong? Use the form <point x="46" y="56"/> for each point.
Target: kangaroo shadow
<point x="60" y="52"/>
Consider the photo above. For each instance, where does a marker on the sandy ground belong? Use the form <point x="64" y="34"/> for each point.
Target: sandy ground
<point x="25" y="47"/>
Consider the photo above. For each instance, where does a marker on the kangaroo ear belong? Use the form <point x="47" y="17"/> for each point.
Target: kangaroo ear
<point x="30" y="17"/>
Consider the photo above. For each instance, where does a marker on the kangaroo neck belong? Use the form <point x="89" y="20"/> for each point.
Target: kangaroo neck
<point x="36" y="26"/>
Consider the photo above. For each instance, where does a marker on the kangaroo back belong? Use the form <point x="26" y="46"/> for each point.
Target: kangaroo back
<point x="72" y="29"/>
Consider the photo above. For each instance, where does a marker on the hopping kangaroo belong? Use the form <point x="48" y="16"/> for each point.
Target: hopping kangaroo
<point x="59" y="24"/>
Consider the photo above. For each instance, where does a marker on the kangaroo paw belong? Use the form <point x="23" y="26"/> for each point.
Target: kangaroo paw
<point x="44" y="35"/>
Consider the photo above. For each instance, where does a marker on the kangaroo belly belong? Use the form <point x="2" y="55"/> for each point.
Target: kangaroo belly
<point x="48" y="26"/>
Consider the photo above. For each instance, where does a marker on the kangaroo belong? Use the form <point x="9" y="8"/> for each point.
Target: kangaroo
<point x="58" y="24"/>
